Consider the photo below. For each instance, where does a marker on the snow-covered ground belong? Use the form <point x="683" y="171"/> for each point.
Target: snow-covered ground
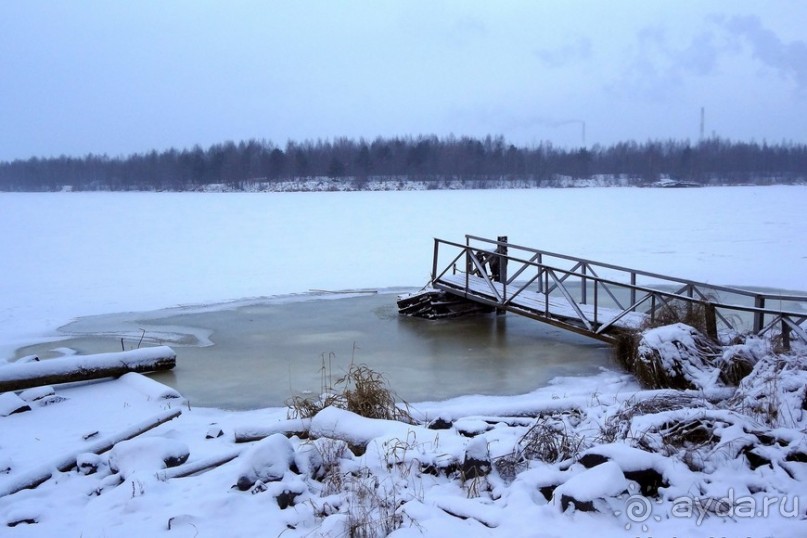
<point x="73" y="254"/>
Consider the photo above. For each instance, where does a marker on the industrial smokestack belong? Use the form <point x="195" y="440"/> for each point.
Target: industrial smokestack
<point x="703" y="122"/>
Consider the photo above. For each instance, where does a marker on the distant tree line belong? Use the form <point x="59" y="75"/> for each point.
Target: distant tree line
<point x="712" y="160"/>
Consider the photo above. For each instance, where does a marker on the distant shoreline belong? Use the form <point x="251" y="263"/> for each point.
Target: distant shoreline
<point x="394" y="184"/>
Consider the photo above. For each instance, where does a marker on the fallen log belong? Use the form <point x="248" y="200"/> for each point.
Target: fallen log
<point x="200" y="466"/>
<point x="297" y="426"/>
<point x="17" y="376"/>
<point x="35" y="477"/>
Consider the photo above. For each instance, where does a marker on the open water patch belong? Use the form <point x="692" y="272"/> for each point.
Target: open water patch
<point x="258" y="353"/>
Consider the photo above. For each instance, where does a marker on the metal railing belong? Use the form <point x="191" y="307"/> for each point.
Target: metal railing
<point x="602" y="295"/>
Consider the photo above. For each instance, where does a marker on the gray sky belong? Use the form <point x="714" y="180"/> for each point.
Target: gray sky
<point x="122" y="77"/>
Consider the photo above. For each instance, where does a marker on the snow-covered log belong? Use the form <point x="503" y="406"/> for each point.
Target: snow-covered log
<point x="35" y="477"/>
<point x="82" y="368"/>
<point x="358" y="431"/>
<point x="154" y="390"/>
<point x="248" y="434"/>
<point x="199" y="466"/>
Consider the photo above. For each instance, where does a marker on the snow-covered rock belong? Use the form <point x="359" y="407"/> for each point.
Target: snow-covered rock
<point x="600" y="482"/>
<point x="267" y="461"/>
<point x="10" y="403"/>
<point x="476" y="462"/>
<point x="649" y="470"/>
<point x="147" y="454"/>
<point x="308" y="460"/>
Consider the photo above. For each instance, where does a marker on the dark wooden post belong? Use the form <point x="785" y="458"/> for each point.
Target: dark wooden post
<point x="785" y="336"/>
<point x="434" y="260"/>
<point x="501" y="260"/>
<point x="759" y="317"/>
<point x="502" y="251"/>
<point x="711" y="321"/>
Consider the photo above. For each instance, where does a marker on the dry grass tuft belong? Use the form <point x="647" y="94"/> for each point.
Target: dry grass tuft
<point x="655" y="369"/>
<point x="618" y="426"/>
<point x="550" y="441"/>
<point x="372" y="507"/>
<point x="695" y="314"/>
<point x="361" y="390"/>
<point x="366" y="393"/>
<point x="626" y="349"/>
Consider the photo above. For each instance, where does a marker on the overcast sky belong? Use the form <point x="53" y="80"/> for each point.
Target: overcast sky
<point x="121" y="77"/>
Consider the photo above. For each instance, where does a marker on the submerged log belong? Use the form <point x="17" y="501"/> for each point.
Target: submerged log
<point x="83" y="368"/>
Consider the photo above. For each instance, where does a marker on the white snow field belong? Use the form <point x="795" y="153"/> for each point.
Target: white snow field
<point x="72" y="254"/>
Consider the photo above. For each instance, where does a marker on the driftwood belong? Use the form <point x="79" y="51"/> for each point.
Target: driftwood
<point x="82" y="368"/>
<point x="35" y="477"/>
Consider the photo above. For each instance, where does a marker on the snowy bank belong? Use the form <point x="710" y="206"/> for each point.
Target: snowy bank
<point x="583" y="456"/>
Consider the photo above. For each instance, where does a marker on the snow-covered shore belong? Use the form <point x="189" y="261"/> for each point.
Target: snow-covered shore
<point x="582" y="456"/>
<point x="645" y="462"/>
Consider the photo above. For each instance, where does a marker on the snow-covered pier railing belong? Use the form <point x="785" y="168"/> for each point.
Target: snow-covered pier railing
<point x="602" y="300"/>
<point x="83" y="368"/>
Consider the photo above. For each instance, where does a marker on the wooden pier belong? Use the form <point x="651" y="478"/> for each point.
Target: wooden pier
<point x="600" y="300"/>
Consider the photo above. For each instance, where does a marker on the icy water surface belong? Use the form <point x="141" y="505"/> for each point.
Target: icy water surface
<point x="264" y="352"/>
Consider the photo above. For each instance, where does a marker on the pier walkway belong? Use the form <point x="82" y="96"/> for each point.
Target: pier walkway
<point x="602" y="300"/>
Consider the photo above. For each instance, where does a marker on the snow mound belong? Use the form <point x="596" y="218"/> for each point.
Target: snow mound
<point x="147" y="454"/>
<point x="267" y="461"/>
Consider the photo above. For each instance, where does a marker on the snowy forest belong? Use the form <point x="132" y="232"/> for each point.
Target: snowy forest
<point x="424" y="158"/>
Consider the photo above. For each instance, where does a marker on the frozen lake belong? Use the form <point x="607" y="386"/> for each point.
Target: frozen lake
<point x="68" y="255"/>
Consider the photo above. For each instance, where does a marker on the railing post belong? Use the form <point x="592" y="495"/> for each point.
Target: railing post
<point x="583" y="285"/>
<point x="434" y="261"/>
<point x="633" y="289"/>
<point x="595" y="300"/>
<point x="690" y="294"/>
<point x="759" y="317"/>
<point x="468" y="265"/>
<point x="540" y="268"/>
